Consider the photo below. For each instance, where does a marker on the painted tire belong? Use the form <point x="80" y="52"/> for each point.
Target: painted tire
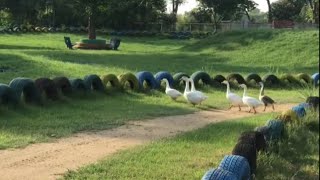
<point x="315" y="78"/>
<point x="28" y="88"/>
<point x="237" y="77"/>
<point x="8" y="95"/>
<point x="48" y="87"/>
<point x="218" y="174"/>
<point x="164" y="75"/>
<point x="305" y="77"/>
<point x="276" y="129"/>
<point x="248" y="151"/>
<point x="203" y="76"/>
<point x="265" y="130"/>
<point x="78" y="85"/>
<point x="177" y="78"/>
<point x="271" y="80"/>
<point x="299" y="110"/>
<point x="93" y="82"/>
<point x="145" y="76"/>
<point x="305" y="105"/>
<point x="114" y="81"/>
<point x="289" y="78"/>
<point x="254" y="77"/>
<point x="288" y="116"/>
<point x="219" y="78"/>
<point x="131" y="79"/>
<point x="237" y="165"/>
<point x="63" y="85"/>
<point x="313" y="101"/>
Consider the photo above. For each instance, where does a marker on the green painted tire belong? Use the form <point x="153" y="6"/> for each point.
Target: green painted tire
<point x="177" y="79"/>
<point x="289" y="78"/>
<point x="237" y="77"/>
<point x="129" y="78"/>
<point x="25" y="88"/>
<point x="276" y="129"/>
<point x="8" y="95"/>
<point x="63" y="85"/>
<point x="78" y="85"/>
<point x="305" y="77"/>
<point x="93" y="41"/>
<point x="203" y="76"/>
<point x="93" y="82"/>
<point x="219" y="78"/>
<point x="48" y="87"/>
<point x="254" y="77"/>
<point x="114" y="81"/>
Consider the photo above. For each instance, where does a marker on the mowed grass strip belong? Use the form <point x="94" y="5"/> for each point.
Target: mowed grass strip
<point x="45" y="55"/>
<point x="190" y="155"/>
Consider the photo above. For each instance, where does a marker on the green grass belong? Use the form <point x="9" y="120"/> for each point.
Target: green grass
<point x="45" y="55"/>
<point x="190" y="155"/>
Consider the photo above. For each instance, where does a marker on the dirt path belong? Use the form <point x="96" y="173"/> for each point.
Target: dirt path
<point x="51" y="160"/>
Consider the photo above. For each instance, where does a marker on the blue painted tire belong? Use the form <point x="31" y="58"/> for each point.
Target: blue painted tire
<point x="276" y="129"/>
<point x="218" y="174"/>
<point x="237" y="165"/>
<point x="148" y="77"/>
<point x="164" y="75"/>
<point x="315" y="78"/>
<point x="299" y="110"/>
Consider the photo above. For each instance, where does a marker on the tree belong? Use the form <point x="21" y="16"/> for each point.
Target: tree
<point x="175" y="7"/>
<point x="269" y="11"/>
<point x="287" y="9"/>
<point x="90" y="8"/>
<point x="314" y="5"/>
<point x="226" y="9"/>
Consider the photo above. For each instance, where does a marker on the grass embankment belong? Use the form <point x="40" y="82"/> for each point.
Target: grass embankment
<point x="45" y="55"/>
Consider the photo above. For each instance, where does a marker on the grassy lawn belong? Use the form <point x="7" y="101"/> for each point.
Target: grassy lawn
<point x="45" y="55"/>
<point x="190" y="155"/>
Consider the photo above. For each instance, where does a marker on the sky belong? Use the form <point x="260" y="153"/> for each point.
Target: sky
<point x="190" y="4"/>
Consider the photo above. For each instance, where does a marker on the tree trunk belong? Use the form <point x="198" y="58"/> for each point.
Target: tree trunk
<point x="91" y="28"/>
<point x="269" y="12"/>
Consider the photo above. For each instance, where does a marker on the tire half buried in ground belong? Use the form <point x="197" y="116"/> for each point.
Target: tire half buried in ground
<point x="112" y="79"/>
<point x="48" y="87"/>
<point x="26" y="89"/>
<point x="146" y="77"/>
<point x="78" y="85"/>
<point x="130" y="79"/>
<point x="203" y="76"/>
<point x="63" y="85"/>
<point x="93" y="82"/>
<point x="8" y="95"/>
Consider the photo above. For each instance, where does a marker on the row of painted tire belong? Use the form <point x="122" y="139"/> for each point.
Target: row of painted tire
<point x="243" y="161"/>
<point x="33" y="89"/>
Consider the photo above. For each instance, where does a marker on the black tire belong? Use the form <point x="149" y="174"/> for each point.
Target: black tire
<point x="145" y="76"/>
<point x="254" y="77"/>
<point x="265" y="130"/>
<point x="237" y="165"/>
<point x="27" y="88"/>
<point x="8" y="95"/>
<point x="93" y="82"/>
<point x="271" y="80"/>
<point x="248" y="151"/>
<point x="255" y="138"/>
<point x="276" y="129"/>
<point x="63" y="85"/>
<point x="304" y="77"/>
<point x="112" y="79"/>
<point x="219" y="78"/>
<point x="177" y="79"/>
<point x="164" y="75"/>
<point x="313" y="101"/>
<point x="218" y="174"/>
<point x="203" y="76"/>
<point x="288" y="78"/>
<point x="78" y="85"/>
<point x="48" y="87"/>
<point x="236" y="77"/>
<point x="300" y="111"/>
<point x="131" y="79"/>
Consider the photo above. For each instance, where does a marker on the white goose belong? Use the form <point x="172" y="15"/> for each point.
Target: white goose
<point x="234" y="99"/>
<point x="193" y="89"/>
<point x="174" y="94"/>
<point x="192" y="97"/>
<point x="251" y="102"/>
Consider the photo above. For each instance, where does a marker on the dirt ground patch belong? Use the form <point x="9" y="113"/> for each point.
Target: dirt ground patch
<point x="50" y="160"/>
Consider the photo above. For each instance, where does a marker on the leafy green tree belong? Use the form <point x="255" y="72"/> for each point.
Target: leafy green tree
<point x="287" y="9"/>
